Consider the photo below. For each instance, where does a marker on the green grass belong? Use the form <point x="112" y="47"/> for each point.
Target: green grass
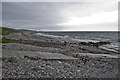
<point x="35" y="69"/>
<point x="6" y="31"/>
<point x="4" y="40"/>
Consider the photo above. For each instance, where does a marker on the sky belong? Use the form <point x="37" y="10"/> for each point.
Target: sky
<point x="61" y="16"/>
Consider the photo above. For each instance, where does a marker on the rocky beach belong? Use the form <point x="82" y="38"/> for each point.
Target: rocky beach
<point x="35" y="56"/>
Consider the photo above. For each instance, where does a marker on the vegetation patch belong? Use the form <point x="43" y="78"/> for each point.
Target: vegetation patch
<point x="6" y="31"/>
<point x="35" y="69"/>
<point x="4" y="40"/>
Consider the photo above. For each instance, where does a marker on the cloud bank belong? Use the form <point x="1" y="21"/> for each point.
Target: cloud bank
<point x="61" y="16"/>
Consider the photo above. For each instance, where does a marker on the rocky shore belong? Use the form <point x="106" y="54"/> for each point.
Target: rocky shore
<point x="33" y="56"/>
<point x="82" y="68"/>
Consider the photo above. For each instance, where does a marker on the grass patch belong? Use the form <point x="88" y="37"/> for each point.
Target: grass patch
<point x="6" y="31"/>
<point x="35" y="69"/>
<point x="4" y="40"/>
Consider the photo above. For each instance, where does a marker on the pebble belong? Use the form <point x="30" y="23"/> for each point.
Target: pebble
<point x="64" y="69"/>
<point x="59" y="62"/>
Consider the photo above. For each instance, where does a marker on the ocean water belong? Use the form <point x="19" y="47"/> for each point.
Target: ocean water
<point x="76" y="37"/>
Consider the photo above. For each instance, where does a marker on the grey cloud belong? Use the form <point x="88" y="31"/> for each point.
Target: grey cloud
<point x="46" y="15"/>
<point x="38" y="14"/>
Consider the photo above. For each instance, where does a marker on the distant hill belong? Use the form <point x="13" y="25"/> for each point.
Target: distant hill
<point x="25" y="30"/>
<point x="6" y="31"/>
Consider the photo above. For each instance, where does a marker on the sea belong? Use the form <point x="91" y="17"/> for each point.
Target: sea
<point x="88" y="36"/>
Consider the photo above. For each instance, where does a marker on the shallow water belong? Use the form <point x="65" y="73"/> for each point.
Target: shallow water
<point x="94" y="37"/>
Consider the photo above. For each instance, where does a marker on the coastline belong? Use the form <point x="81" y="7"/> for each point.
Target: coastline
<point x="21" y="59"/>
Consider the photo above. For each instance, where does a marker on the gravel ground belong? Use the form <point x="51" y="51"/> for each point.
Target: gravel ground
<point x="83" y="68"/>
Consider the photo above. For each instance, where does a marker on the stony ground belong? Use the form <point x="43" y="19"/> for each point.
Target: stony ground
<point x="22" y="60"/>
<point x="83" y="68"/>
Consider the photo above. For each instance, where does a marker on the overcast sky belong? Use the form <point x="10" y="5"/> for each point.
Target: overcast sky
<point x="61" y="16"/>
